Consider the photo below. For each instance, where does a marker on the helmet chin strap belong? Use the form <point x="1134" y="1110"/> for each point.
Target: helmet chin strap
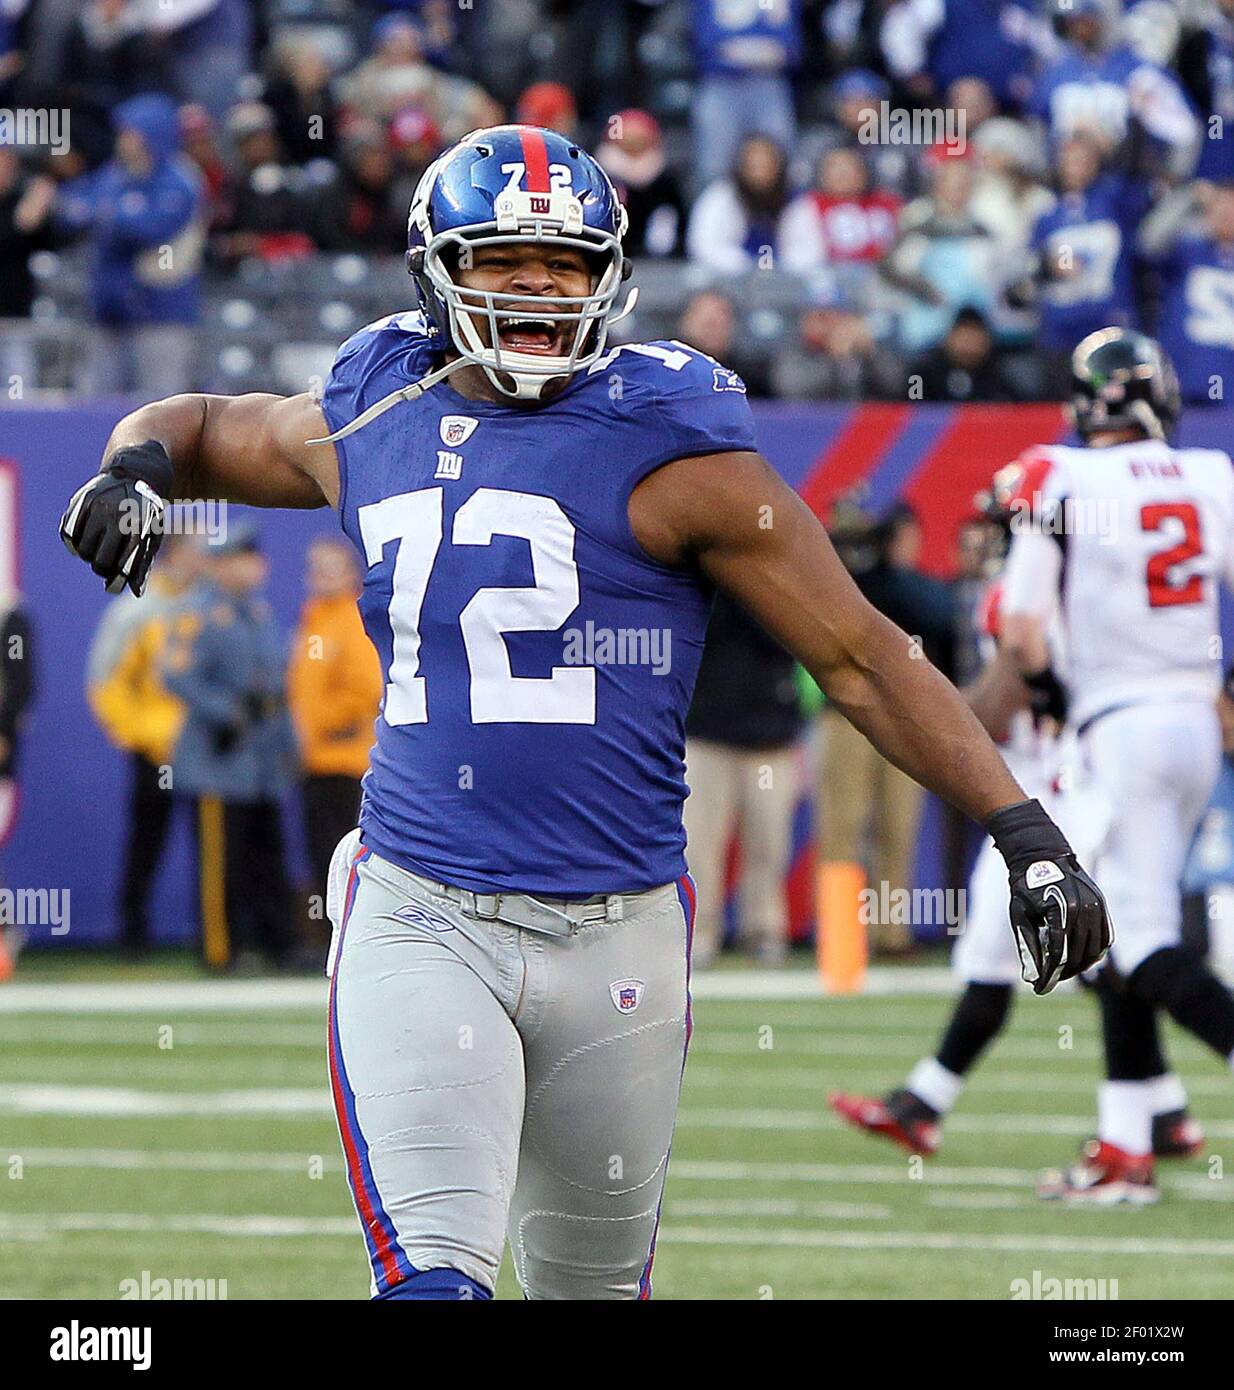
<point x="418" y="388"/>
<point x="404" y="393"/>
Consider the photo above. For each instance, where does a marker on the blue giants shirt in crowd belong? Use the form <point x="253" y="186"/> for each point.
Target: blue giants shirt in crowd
<point x="1217" y="150"/>
<point x="538" y="663"/>
<point x="740" y="36"/>
<point x="1197" y="316"/>
<point x="1095" y="230"/>
<point x="987" y="39"/>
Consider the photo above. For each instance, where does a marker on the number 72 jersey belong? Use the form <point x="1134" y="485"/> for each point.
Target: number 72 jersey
<point x="1132" y="542"/>
<point x="538" y="664"/>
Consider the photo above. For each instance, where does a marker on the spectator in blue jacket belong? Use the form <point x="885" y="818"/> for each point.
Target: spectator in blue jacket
<point x="142" y="213"/>
<point x="746" y="52"/>
<point x="236" y="753"/>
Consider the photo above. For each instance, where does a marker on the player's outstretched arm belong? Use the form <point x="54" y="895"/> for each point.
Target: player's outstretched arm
<point x="247" y="449"/>
<point x="732" y="517"/>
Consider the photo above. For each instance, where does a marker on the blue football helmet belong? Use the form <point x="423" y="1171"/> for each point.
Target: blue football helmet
<point x="508" y="184"/>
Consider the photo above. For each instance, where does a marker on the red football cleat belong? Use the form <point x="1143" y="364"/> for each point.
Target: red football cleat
<point x="1177" y="1135"/>
<point x="1104" y="1176"/>
<point x="900" y="1117"/>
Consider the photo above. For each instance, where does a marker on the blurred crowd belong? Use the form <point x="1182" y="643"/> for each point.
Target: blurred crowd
<point x="955" y="190"/>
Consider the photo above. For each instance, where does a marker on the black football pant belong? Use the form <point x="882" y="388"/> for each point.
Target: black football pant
<point x="244" y="890"/>
<point x="331" y="810"/>
<point x="150" y="811"/>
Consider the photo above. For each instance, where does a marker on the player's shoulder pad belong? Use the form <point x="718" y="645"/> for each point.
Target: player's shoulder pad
<point x="403" y="340"/>
<point x="1040" y="479"/>
<point x="700" y="405"/>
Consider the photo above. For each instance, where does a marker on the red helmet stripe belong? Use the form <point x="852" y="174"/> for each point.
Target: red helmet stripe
<point x="535" y="156"/>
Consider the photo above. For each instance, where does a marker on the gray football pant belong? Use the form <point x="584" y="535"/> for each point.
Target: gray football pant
<point x="494" y="1081"/>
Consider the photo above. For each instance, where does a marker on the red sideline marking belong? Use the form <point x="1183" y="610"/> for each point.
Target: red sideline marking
<point x="979" y="440"/>
<point x="535" y="156"/>
<point x="864" y="438"/>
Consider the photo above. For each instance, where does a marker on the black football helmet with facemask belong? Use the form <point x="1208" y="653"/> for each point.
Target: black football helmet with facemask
<point x="1122" y="380"/>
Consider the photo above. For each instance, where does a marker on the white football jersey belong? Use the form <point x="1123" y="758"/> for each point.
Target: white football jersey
<point x="1129" y="544"/>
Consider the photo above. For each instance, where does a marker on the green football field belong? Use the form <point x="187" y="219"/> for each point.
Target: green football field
<point x="144" y="1128"/>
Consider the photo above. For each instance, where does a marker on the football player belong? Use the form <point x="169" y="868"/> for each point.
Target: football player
<point x="542" y="532"/>
<point x="1127" y="540"/>
<point x="1025" y="720"/>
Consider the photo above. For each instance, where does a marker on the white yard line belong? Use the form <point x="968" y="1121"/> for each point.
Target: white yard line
<point x="21" y="1099"/>
<point x="968" y="1124"/>
<point x="745" y="1042"/>
<point x="37" y="1223"/>
<point x="264" y="1227"/>
<point x="314" y="1102"/>
<point x="270" y="995"/>
<point x="180" y="1160"/>
<point x="940" y="1240"/>
<point x="962" y="1185"/>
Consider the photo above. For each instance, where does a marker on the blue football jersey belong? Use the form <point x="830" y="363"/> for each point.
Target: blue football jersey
<point x="1197" y="316"/>
<point x="1096" y="229"/>
<point x="538" y="664"/>
<point x="740" y="36"/>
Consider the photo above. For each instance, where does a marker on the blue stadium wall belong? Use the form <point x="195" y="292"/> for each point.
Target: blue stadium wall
<point x="72" y="783"/>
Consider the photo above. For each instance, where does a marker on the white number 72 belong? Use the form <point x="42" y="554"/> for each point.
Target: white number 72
<point x="414" y="519"/>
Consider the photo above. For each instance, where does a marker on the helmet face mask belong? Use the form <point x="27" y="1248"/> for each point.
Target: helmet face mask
<point x="1122" y="380"/>
<point x="471" y="198"/>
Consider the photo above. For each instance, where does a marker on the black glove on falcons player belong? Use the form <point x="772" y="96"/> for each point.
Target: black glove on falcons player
<point x="1061" y="922"/>
<point x="1047" y="697"/>
<point x="113" y="523"/>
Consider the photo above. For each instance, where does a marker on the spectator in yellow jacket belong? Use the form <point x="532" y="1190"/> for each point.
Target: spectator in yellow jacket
<point x="334" y="690"/>
<point x="142" y="718"/>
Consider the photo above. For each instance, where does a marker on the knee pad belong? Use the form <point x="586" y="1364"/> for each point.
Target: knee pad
<point x="1173" y="979"/>
<point x="444" y="1285"/>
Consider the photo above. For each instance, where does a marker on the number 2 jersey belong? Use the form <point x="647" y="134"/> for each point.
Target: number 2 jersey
<point x="1133" y="542"/>
<point x="538" y="664"/>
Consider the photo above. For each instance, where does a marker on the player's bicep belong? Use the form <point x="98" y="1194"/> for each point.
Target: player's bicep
<point x="254" y="450"/>
<point x="734" y="517"/>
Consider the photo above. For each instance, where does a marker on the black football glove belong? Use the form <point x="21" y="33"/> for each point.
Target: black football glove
<point x="114" y="522"/>
<point x="1061" y="922"/>
<point x="1047" y="697"/>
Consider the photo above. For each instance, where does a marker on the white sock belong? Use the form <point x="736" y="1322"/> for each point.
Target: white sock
<point x="1125" y="1116"/>
<point x="933" y="1083"/>
<point x="1166" y="1094"/>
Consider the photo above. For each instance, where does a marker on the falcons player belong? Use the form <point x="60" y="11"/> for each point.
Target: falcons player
<point x="1127" y="540"/>
<point x="1025" y="722"/>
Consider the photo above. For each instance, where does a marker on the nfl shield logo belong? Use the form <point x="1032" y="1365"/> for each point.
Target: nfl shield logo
<point x="626" y="995"/>
<point x="456" y="429"/>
